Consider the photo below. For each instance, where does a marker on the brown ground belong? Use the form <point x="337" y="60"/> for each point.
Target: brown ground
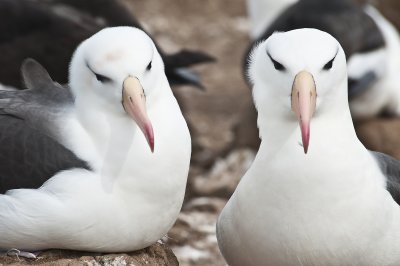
<point x="157" y="254"/>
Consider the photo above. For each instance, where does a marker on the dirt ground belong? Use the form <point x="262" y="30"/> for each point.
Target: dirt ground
<point x="220" y="157"/>
<point x="157" y="254"/>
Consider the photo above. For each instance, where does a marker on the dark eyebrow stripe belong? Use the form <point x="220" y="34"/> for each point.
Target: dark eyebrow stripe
<point x="94" y="72"/>
<point x="88" y="66"/>
<point x="333" y="58"/>
<point x="270" y="57"/>
<point x="98" y="75"/>
<point x="337" y="51"/>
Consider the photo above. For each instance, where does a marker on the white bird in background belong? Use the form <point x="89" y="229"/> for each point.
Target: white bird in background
<point x="371" y="44"/>
<point x="382" y="66"/>
<point x="114" y="194"/>
<point x="314" y="194"/>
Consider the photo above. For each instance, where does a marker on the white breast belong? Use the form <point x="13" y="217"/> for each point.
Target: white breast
<point x="323" y="208"/>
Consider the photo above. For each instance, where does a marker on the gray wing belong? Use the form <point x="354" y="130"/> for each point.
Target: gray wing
<point x="28" y="157"/>
<point x="29" y="151"/>
<point x="390" y="167"/>
<point x="365" y="82"/>
<point x="41" y="104"/>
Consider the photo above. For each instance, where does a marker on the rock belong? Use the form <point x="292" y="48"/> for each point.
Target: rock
<point x="193" y="238"/>
<point x="224" y="175"/>
<point x="157" y="254"/>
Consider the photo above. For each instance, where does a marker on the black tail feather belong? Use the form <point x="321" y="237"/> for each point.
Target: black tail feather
<point x="176" y="67"/>
<point x="183" y="76"/>
<point x="186" y="58"/>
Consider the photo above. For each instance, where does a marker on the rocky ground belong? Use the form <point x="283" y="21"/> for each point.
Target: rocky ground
<point x="222" y="118"/>
<point x="157" y="254"/>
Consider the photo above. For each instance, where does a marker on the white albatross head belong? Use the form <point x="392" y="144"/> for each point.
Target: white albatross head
<point x="296" y="74"/>
<point x="120" y="69"/>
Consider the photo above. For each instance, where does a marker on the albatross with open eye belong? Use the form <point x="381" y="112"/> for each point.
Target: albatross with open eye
<point x="314" y="194"/>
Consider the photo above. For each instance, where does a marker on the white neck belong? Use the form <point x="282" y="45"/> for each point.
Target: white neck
<point x="110" y="140"/>
<point x="103" y="121"/>
<point x="331" y="123"/>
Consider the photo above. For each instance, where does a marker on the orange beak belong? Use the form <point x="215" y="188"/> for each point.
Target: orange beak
<point x="304" y="95"/>
<point x="134" y="102"/>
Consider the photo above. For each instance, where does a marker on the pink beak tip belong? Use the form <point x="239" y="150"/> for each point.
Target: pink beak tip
<point x="150" y="136"/>
<point x="151" y="143"/>
<point x="305" y="149"/>
<point x="305" y="145"/>
<point x="305" y="130"/>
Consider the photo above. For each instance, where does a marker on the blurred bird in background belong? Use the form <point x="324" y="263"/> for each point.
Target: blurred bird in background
<point x="371" y="44"/>
<point x="50" y="30"/>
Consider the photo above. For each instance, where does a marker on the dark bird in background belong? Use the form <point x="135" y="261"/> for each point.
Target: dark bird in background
<point x="344" y="19"/>
<point x="50" y="30"/>
<point x="371" y="44"/>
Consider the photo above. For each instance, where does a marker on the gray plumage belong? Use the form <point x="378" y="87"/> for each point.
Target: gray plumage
<point x="357" y="86"/>
<point x="391" y="169"/>
<point x="30" y="152"/>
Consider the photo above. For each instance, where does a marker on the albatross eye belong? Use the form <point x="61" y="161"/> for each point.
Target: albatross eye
<point x="329" y="65"/>
<point x="278" y="66"/>
<point x="149" y="66"/>
<point x="101" y="78"/>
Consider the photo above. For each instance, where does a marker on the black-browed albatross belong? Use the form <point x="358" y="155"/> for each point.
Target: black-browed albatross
<point x="314" y="194"/>
<point x="114" y="147"/>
